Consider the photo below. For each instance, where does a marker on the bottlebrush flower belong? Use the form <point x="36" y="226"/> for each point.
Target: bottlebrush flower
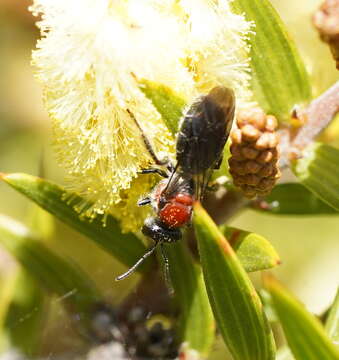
<point x="90" y="57"/>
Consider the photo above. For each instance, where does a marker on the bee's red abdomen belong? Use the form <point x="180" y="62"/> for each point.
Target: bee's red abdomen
<point x="176" y="214"/>
<point x="184" y="199"/>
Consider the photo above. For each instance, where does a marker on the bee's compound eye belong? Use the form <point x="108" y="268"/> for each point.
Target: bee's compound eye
<point x="158" y="231"/>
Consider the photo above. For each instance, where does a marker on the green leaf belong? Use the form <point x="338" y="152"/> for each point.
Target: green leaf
<point x="266" y="299"/>
<point x="254" y="251"/>
<point x="7" y="286"/>
<point x="332" y="322"/>
<point x="305" y="334"/>
<point x="284" y="353"/>
<point x="28" y="299"/>
<point x="318" y="170"/>
<point x="196" y="325"/>
<point x="26" y="314"/>
<point x="294" y="199"/>
<point x="127" y="248"/>
<point x="169" y="104"/>
<point x="40" y="221"/>
<point x="234" y="301"/>
<point x="279" y="77"/>
<point x="52" y="272"/>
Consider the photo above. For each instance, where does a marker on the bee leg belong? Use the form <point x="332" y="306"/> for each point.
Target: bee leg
<point x="160" y="172"/>
<point x="167" y="275"/>
<point x="144" y="201"/>
<point x="212" y="186"/>
<point x="170" y="167"/>
<point x="147" y="143"/>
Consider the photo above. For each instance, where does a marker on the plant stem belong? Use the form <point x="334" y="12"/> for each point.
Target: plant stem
<point x="318" y="114"/>
<point x="226" y="206"/>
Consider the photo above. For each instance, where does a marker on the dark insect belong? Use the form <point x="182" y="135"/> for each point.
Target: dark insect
<point x="200" y="143"/>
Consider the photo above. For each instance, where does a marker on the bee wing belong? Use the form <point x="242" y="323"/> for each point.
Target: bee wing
<point x="177" y="183"/>
<point x="203" y="135"/>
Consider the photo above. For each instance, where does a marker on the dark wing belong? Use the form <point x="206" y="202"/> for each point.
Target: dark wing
<point x="178" y="184"/>
<point x="203" y="135"/>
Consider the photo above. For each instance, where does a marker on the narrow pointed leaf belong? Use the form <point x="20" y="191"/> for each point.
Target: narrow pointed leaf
<point x="28" y="299"/>
<point x="294" y="199"/>
<point x="318" y="170"/>
<point x="266" y="299"/>
<point x="332" y="322"/>
<point x="234" y="301"/>
<point x="279" y="78"/>
<point x="7" y="286"/>
<point x="305" y="334"/>
<point x="169" y="104"/>
<point x="40" y="221"/>
<point x="254" y="252"/>
<point x="196" y="325"/>
<point x="53" y="273"/>
<point x="127" y="248"/>
<point x="284" y="353"/>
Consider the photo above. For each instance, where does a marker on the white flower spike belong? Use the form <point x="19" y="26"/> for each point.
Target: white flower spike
<point x="89" y="59"/>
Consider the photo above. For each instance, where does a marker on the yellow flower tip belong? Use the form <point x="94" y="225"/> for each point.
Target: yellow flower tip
<point x="130" y="215"/>
<point x="88" y="60"/>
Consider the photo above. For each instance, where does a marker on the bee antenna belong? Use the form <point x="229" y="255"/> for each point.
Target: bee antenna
<point x="167" y="275"/>
<point x="141" y="260"/>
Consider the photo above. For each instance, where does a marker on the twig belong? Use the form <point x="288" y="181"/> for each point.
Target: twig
<point x="318" y="115"/>
<point x="223" y="208"/>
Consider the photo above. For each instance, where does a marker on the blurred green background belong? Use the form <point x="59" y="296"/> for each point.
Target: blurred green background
<point x="308" y="246"/>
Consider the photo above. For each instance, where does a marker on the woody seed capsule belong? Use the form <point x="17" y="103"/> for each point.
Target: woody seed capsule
<point x="254" y="149"/>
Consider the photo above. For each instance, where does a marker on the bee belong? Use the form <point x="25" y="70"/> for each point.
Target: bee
<point x="200" y="142"/>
